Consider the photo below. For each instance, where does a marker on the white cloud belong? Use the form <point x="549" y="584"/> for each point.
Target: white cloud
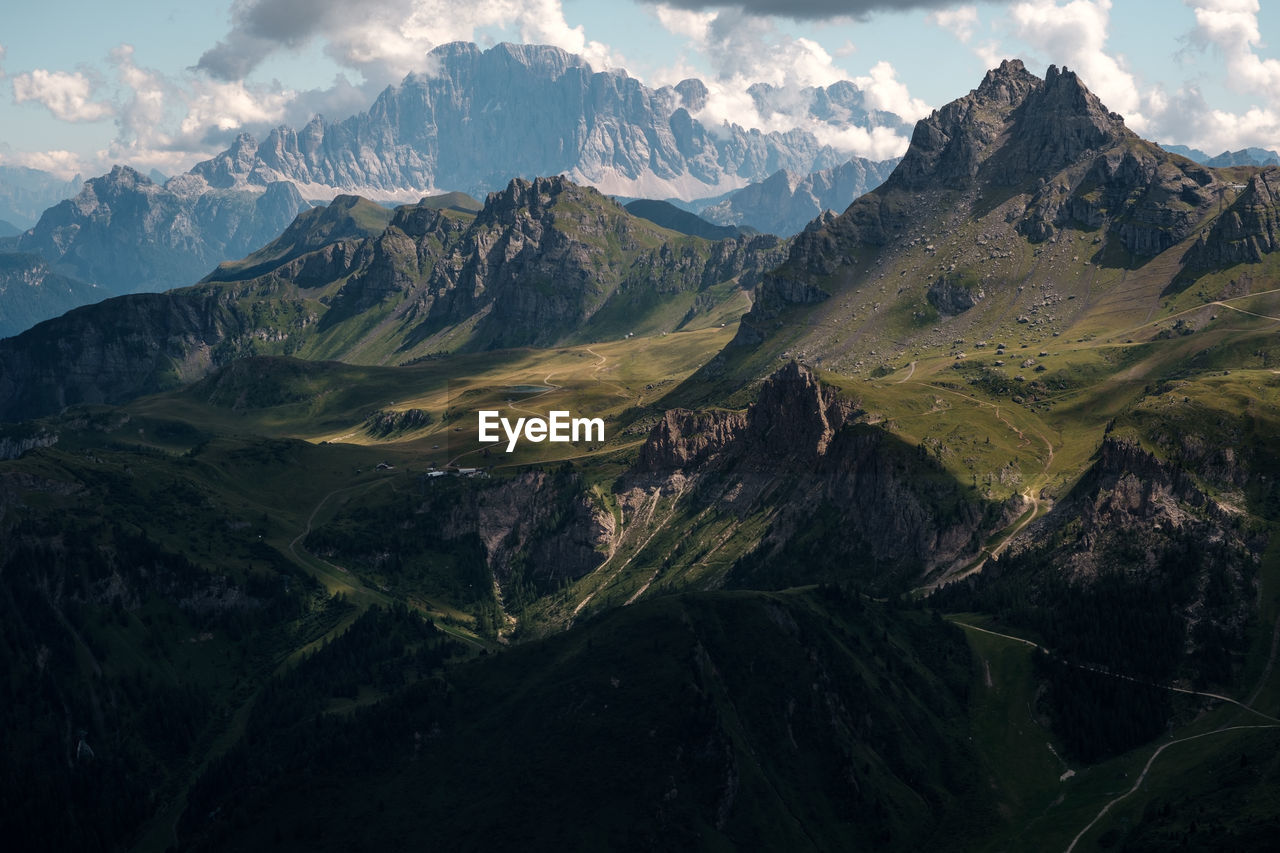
<point x="384" y="40"/>
<point x="682" y="22"/>
<point x="876" y="143"/>
<point x="959" y="21"/>
<point x="231" y="106"/>
<point x="68" y="95"/>
<point x="1232" y="27"/>
<point x="1075" y="34"/>
<point x="64" y="164"/>
<point x="885" y="92"/>
<point x="169" y="124"/>
<point x="1229" y="28"/>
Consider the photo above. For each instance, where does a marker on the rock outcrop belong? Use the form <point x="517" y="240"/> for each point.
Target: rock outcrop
<point x="953" y="295"/>
<point x="15" y="443"/>
<point x="1245" y="231"/>
<point x="801" y="456"/>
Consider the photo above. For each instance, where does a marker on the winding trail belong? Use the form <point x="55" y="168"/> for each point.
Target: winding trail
<point x="1273" y="724"/>
<point x="1142" y="776"/>
<point x="1031" y="493"/>
<point x="293" y="546"/>
<point x="911" y="370"/>
<point x="595" y="374"/>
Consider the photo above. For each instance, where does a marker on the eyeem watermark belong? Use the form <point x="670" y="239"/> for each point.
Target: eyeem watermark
<point x="558" y="426"/>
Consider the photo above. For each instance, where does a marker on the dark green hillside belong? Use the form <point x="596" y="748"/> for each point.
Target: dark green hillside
<point x="964" y="538"/>
<point x="800" y="721"/>
<point x="346" y="218"/>
<point x="667" y="215"/>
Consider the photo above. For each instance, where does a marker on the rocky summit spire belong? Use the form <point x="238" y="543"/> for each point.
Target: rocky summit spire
<point x="950" y="145"/>
<point x="1014" y="126"/>
<point x="1057" y="125"/>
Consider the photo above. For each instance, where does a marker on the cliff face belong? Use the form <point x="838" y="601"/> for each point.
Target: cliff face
<point x="540" y="524"/>
<point x="128" y="234"/>
<point x="479" y="117"/>
<point x="115" y="350"/>
<point x="529" y="532"/>
<point x="1133" y="502"/>
<point x="18" y="442"/>
<point x="801" y="463"/>
<point x="1247" y="230"/>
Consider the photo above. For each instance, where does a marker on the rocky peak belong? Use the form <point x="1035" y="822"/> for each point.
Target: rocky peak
<point x="951" y="144"/>
<point x="693" y="94"/>
<point x="125" y="177"/>
<point x="543" y="58"/>
<point x="796" y="414"/>
<point x="1014" y="126"/>
<point x="1059" y="123"/>
<point x="683" y="439"/>
<point x="532" y="196"/>
<point x="1009" y="84"/>
<point x="232" y="167"/>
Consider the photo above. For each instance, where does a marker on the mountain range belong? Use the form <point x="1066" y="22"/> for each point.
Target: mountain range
<point x="948" y="523"/>
<point x="26" y="193"/>
<point x="1243" y="157"/>
<point x="541" y="263"/>
<point x="785" y="202"/>
<point x="478" y="118"/>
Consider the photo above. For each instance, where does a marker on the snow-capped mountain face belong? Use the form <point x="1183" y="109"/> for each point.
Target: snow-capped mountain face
<point x="480" y="117"/>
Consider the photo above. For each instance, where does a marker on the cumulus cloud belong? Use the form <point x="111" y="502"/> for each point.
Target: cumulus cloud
<point x="1231" y="26"/>
<point x="885" y="92"/>
<point x="1075" y="34"/>
<point x="68" y="95"/>
<point x="64" y="164"/>
<point x="959" y="21"/>
<point x="384" y="39"/>
<point x="168" y="123"/>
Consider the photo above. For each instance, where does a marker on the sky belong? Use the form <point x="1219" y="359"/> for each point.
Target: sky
<point x="83" y="87"/>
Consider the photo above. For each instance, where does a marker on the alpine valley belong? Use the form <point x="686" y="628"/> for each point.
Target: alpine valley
<point x="945" y="522"/>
